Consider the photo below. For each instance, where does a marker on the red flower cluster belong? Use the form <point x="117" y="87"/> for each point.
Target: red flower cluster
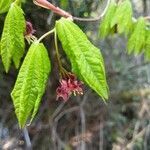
<point x="29" y="32"/>
<point x="68" y="86"/>
<point x="29" y="29"/>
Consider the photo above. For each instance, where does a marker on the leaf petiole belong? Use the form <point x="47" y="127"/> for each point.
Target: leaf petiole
<point x="45" y="35"/>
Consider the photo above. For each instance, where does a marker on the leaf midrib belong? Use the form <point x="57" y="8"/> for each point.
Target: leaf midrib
<point x="25" y="77"/>
<point x="104" y="82"/>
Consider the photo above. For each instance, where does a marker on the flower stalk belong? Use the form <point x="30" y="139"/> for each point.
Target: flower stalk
<point x="61" y="69"/>
<point x="68" y="82"/>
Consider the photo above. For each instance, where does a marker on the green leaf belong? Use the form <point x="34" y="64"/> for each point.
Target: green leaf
<point x="12" y="42"/>
<point x="136" y="41"/>
<point x="86" y="59"/>
<point x="4" y="5"/>
<point x="123" y="17"/>
<point x="31" y="83"/>
<point x="105" y="26"/>
<point x="147" y="45"/>
<point x="0" y="47"/>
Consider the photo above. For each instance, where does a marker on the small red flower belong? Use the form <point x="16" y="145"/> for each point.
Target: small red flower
<point x="68" y="86"/>
<point x="29" y="29"/>
<point x="29" y="32"/>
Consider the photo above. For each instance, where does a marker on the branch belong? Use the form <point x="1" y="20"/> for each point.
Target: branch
<point x="139" y="135"/>
<point x="63" y="13"/>
<point x="94" y="19"/>
<point x="59" y="11"/>
<point x="27" y="139"/>
<point x="48" y="5"/>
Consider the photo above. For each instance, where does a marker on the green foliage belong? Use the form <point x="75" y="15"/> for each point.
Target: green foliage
<point x="147" y="45"/>
<point x="4" y="5"/>
<point x="12" y="42"/>
<point x="31" y="82"/>
<point x="105" y="25"/>
<point x="123" y="17"/>
<point x="86" y="59"/>
<point x="137" y="31"/>
<point x="120" y="15"/>
<point x="0" y="47"/>
<point x="136" y="41"/>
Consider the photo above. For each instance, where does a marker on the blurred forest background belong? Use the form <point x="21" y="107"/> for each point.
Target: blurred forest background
<point x="84" y="122"/>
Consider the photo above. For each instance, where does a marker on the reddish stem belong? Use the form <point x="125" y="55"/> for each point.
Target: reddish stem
<point x="48" y="5"/>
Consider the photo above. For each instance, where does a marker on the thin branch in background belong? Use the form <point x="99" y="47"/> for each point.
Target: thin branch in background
<point x="55" y="137"/>
<point x="137" y="66"/>
<point x="60" y="143"/>
<point x="27" y="139"/>
<point x="141" y="113"/>
<point x="139" y="135"/>
<point x="83" y="127"/>
<point x="77" y="133"/>
<point x="57" y="115"/>
<point x="85" y="97"/>
<point x="147" y="134"/>
<point x="49" y="19"/>
<point x="70" y="110"/>
<point x="145" y="7"/>
<point x="53" y="126"/>
<point x="136" y="128"/>
<point x="57" y="111"/>
<point x="101" y="136"/>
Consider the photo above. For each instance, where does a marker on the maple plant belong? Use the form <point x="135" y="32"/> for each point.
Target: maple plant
<point x="86" y="60"/>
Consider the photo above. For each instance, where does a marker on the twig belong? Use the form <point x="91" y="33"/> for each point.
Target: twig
<point x="49" y="19"/>
<point x="72" y="109"/>
<point x="139" y="135"/>
<point x="94" y="19"/>
<point x="27" y="139"/>
<point x="48" y="5"/>
<point x="138" y="65"/>
<point x="60" y="142"/>
<point x="83" y="127"/>
<point x="59" y="11"/>
<point x="57" y="110"/>
<point x="146" y="137"/>
<point x="140" y="115"/>
<point x="101" y="136"/>
<point x="85" y="97"/>
<point x="136" y="128"/>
